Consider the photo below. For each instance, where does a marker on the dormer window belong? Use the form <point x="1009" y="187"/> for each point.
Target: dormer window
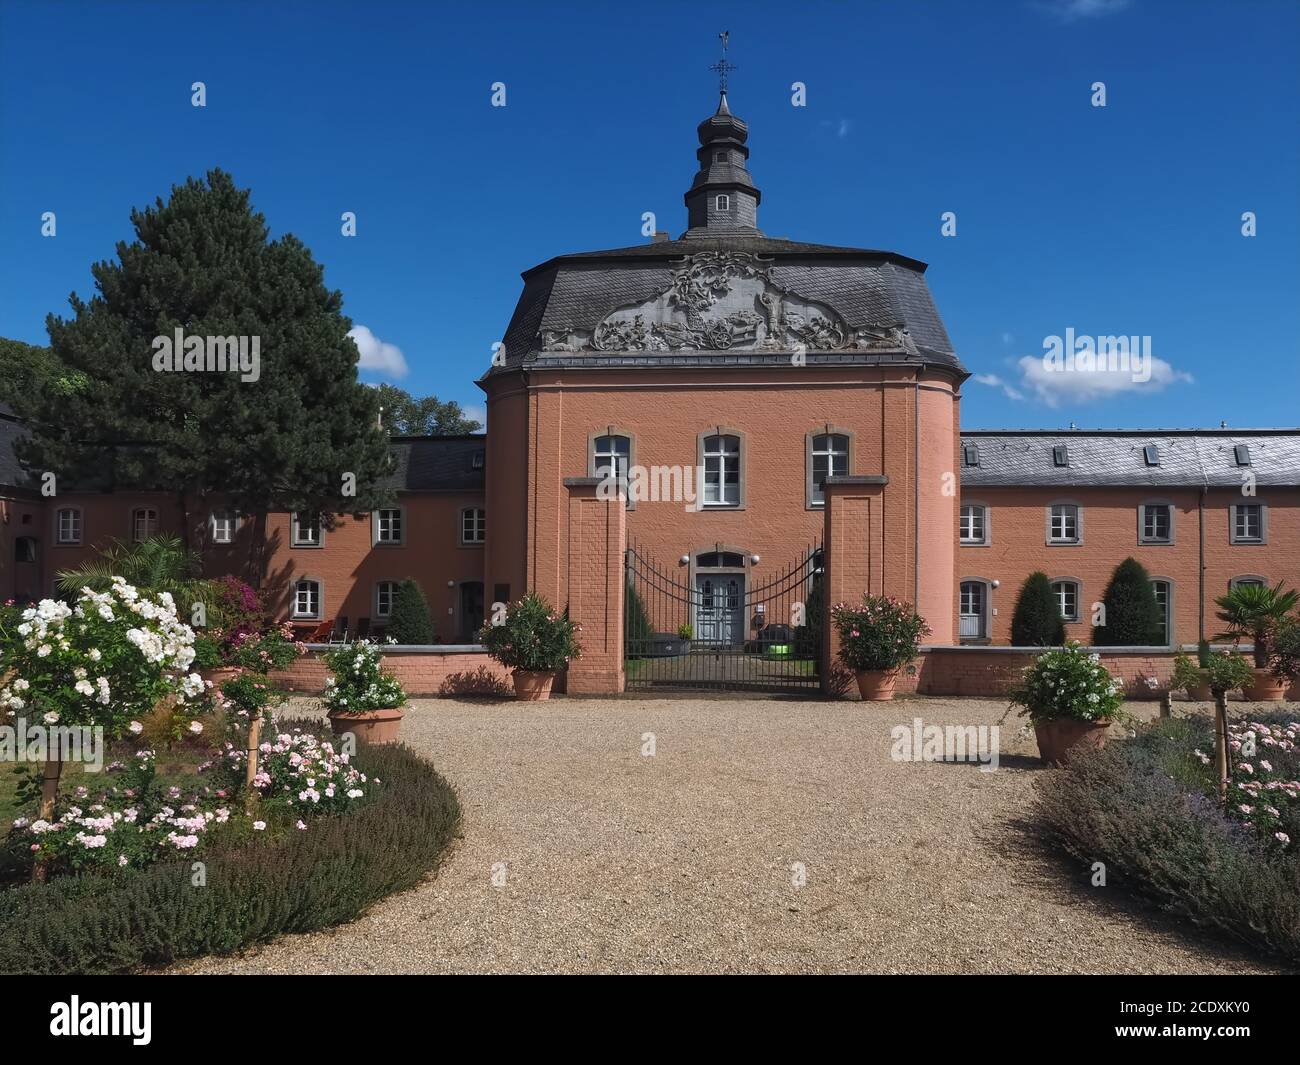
<point x="1151" y="454"/>
<point x="1060" y="455"/>
<point x="1241" y="452"/>
<point x="970" y="455"/>
<point x="477" y="461"/>
<point x="724" y="202"/>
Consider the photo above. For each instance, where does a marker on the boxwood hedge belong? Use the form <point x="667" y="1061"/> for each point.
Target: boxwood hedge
<point x="302" y="882"/>
<point x="1141" y="807"/>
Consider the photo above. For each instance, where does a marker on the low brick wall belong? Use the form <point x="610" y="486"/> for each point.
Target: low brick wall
<point x="992" y="671"/>
<point x="463" y="669"/>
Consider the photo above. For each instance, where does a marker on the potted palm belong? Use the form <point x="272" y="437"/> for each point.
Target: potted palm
<point x="876" y="639"/>
<point x="1256" y="610"/>
<point x="1285" y="661"/>
<point x="360" y="696"/>
<point x="1071" y="699"/>
<point x="534" y="642"/>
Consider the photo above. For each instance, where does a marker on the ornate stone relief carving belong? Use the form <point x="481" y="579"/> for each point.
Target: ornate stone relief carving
<point x="726" y="301"/>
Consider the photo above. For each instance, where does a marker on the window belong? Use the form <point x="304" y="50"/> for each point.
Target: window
<point x="974" y="529"/>
<point x="1241" y="582"/>
<point x="1247" y="523"/>
<point x="1063" y="523"/>
<point x="970" y="617"/>
<point x="719" y="157"/>
<point x="25" y="549"/>
<point x="476" y="463"/>
<point x="307" y="598"/>
<point x="721" y="470"/>
<point x="384" y="592"/>
<point x="970" y="455"/>
<point x="388" y="526"/>
<point x="67" y="526"/>
<point x="829" y="454"/>
<point x="473" y="525"/>
<point x="609" y="457"/>
<point x="144" y="523"/>
<point x="1067" y="598"/>
<point x="1151" y="455"/>
<point x="223" y="526"/>
<point x="1241" y="452"/>
<point x="306" y="529"/>
<point x="1060" y="455"/>
<point x="1164" y="597"/>
<point x="1157" y="523"/>
<point x="724" y="203"/>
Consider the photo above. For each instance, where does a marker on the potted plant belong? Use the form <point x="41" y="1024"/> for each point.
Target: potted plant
<point x="685" y="633"/>
<point x="534" y="642"/>
<point x="876" y="639"/>
<point x="1255" y="610"/>
<point x="360" y="696"/>
<point x="1071" y="699"/>
<point x="1192" y="677"/>
<point x="1285" y="660"/>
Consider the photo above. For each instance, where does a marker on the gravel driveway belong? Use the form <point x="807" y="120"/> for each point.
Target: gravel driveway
<point x="616" y="861"/>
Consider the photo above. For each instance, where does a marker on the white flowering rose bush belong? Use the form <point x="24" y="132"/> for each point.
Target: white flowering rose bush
<point x="106" y="661"/>
<point x="357" y="683"/>
<point x="1069" y="682"/>
<point x="299" y="771"/>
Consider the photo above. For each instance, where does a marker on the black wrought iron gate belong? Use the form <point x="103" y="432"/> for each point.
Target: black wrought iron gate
<point x="723" y="624"/>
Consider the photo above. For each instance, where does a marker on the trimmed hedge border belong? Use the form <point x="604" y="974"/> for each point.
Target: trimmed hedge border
<point x="310" y="880"/>
<point x="1169" y="843"/>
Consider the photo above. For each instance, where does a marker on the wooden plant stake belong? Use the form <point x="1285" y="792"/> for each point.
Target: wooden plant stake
<point x="1221" y="744"/>
<point x="254" y="740"/>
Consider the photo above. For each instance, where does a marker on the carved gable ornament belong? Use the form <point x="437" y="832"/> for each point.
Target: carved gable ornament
<point x="726" y="301"/>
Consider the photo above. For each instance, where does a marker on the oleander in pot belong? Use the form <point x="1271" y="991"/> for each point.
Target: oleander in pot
<point x="1071" y="699"/>
<point x="534" y="642"/>
<point x="876" y="639"/>
<point x="360" y="696"/>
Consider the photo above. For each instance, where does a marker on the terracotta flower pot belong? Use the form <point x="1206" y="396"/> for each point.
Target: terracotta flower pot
<point x="1057" y="737"/>
<point x="1200" y="693"/>
<point x="1267" y="688"/>
<point x="370" y="726"/>
<point x="532" y="687"/>
<point x="877" y="685"/>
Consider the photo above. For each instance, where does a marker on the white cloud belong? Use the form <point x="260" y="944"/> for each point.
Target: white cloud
<point x="994" y="381"/>
<point x="1052" y="386"/>
<point x="383" y="358"/>
<point x="840" y="126"/>
<point x="1078" y="10"/>
<point x="476" y="411"/>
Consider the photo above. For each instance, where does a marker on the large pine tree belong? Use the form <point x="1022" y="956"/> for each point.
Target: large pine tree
<point x="203" y="262"/>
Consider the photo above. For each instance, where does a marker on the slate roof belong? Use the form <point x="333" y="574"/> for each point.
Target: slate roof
<point x="867" y="288"/>
<point x="1116" y="458"/>
<point x="11" y="431"/>
<point x="438" y="463"/>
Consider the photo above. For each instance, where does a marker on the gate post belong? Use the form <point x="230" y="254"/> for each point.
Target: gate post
<point x="595" y="577"/>
<point x="853" y="547"/>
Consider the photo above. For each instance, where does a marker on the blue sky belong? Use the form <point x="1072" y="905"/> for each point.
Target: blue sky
<point x="1117" y="220"/>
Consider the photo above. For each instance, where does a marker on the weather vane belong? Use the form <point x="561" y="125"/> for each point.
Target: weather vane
<point x="722" y="66"/>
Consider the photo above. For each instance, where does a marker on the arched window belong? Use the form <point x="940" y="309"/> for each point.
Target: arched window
<point x="1066" y="593"/>
<point x="972" y="611"/>
<point x="828" y="456"/>
<point x="307" y="597"/>
<point x="1164" y="591"/>
<point x="144" y="523"/>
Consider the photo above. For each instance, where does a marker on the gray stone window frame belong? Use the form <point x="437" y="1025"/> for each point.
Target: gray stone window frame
<point x="1078" y="597"/>
<point x="1233" y="538"/>
<point x="810" y="502"/>
<point x="1142" y="537"/>
<point x="375" y="520"/>
<point x="319" y="614"/>
<point x="219" y="512"/>
<point x="611" y="430"/>
<point x="742" y="445"/>
<point x="1247" y="578"/>
<point x="460" y="526"/>
<point x="374" y="599"/>
<point x="1078" y="523"/>
<point x="987" y="539"/>
<point x="75" y="541"/>
<point x="307" y="545"/>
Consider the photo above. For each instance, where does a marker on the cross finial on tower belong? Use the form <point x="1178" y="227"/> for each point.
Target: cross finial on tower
<point x="722" y="66"/>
